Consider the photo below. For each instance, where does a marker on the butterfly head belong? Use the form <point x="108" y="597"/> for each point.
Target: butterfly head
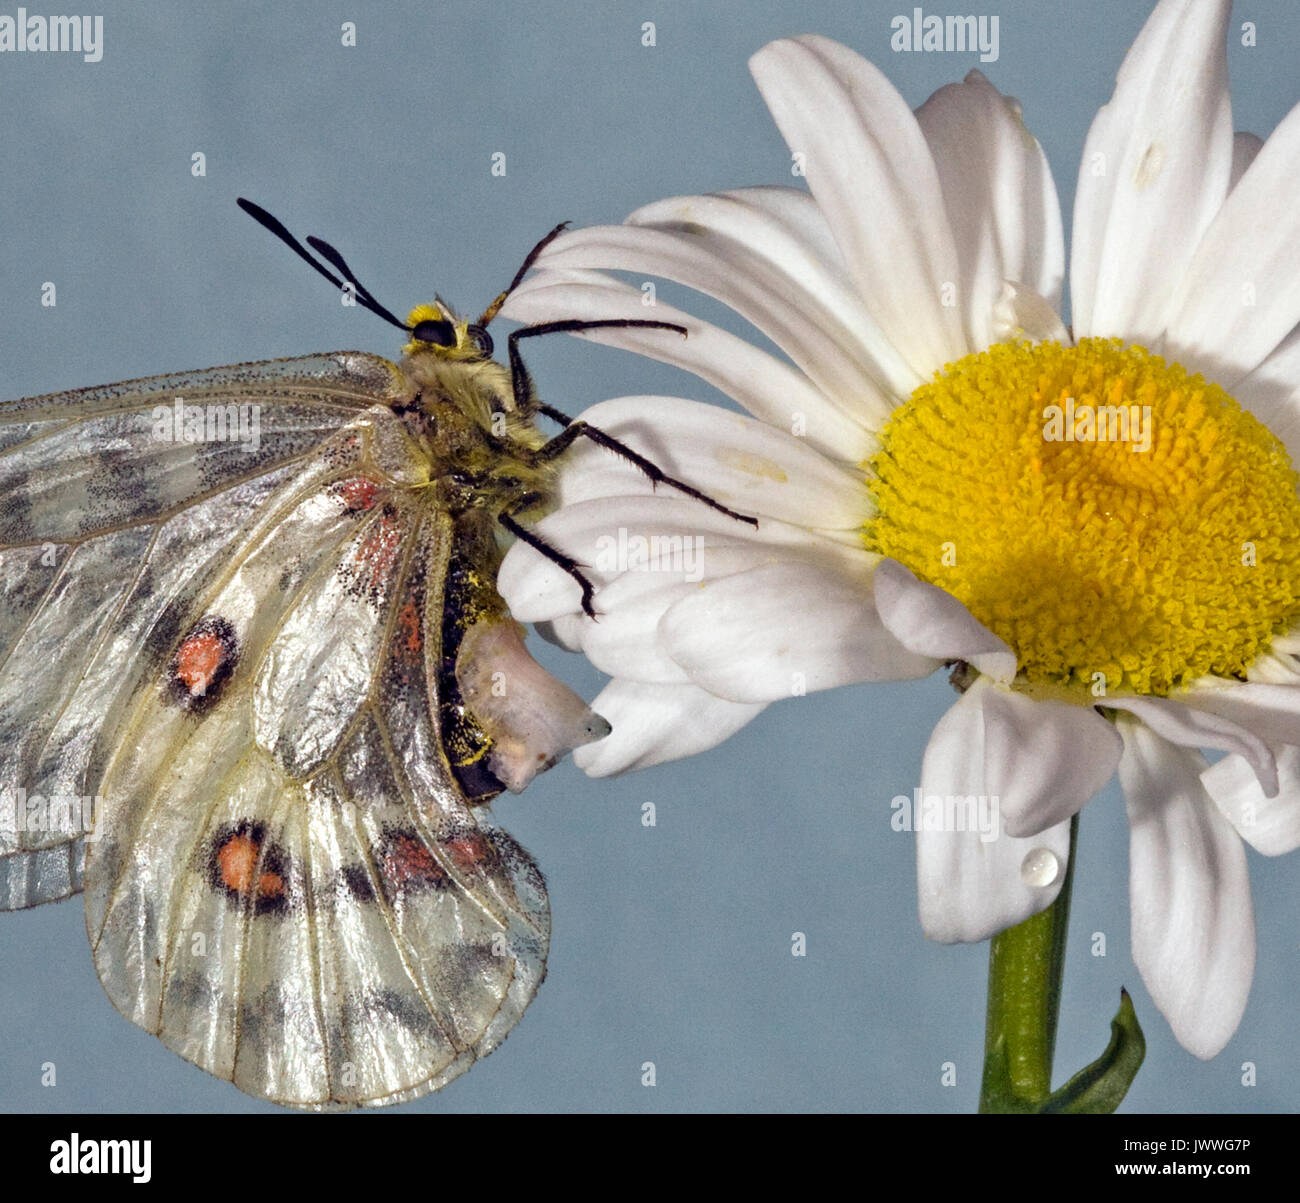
<point x="436" y="330"/>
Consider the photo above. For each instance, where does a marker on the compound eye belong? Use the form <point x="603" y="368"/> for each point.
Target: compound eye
<point x="482" y="341"/>
<point x="441" y="334"/>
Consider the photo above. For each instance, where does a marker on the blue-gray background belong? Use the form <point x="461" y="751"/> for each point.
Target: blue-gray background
<point x="671" y="944"/>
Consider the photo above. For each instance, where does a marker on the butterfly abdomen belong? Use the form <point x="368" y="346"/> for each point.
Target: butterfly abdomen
<point x="469" y="596"/>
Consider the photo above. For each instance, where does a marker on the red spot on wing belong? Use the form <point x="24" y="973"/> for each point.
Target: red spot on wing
<point x="198" y="661"/>
<point x="377" y="553"/>
<point x="408" y="619"/>
<point x="249" y="870"/>
<point x="407" y="861"/>
<point x="236" y="863"/>
<point x="203" y="662"/>
<point x="358" y="493"/>
<point x="469" y="850"/>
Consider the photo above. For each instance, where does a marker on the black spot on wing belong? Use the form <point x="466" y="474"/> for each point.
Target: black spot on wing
<point x="124" y="483"/>
<point x="244" y="437"/>
<point x="355" y="879"/>
<point x="16" y="526"/>
<point x="164" y="634"/>
<point x="362" y="1010"/>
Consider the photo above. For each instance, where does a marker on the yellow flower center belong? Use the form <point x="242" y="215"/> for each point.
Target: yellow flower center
<point x="1102" y="511"/>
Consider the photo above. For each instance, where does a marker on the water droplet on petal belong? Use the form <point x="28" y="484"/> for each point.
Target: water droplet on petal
<point x="1041" y="867"/>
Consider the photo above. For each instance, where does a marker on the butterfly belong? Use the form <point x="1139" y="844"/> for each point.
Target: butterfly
<point x="257" y="688"/>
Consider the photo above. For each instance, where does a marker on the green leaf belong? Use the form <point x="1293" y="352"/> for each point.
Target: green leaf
<point x="1099" y="1088"/>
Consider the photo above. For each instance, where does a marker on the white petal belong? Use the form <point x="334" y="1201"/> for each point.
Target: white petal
<point x="767" y="387"/>
<point x="1020" y="312"/>
<point x="738" y="276"/>
<point x="624" y="641"/>
<point x="798" y="212"/>
<point x="1274" y="668"/>
<point x="970" y="886"/>
<point x="1270" y="825"/>
<point x="1001" y="199"/>
<point x="1202" y="727"/>
<point x="869" y="167"/>
<point x="1272" y="392"/>
<point x="778" y="630"/>
<point x="1155" y="171"/>
<point x="1270" y="712"/>
<point x="564" y="630"/>
<point x="747" y="276"/>
<point x="927" y="620"/>
<point x="1042" y="760"/>
<point x="738" y="461"/>
<point x="808" y="247"/>
<point x="592" y="532"/>
<point x="970" y="890"/>
<point x="1241" y="295"/>
<point x="1279" y="373"/>
<point x="655" y="723"/>
<point x="1193" y="922"/>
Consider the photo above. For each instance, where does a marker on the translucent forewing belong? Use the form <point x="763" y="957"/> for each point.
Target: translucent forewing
<point x="110" y="523"/>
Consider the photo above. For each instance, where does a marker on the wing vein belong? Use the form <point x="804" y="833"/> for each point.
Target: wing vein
<point x="390" y="922"/>
<point x="426" y="836"/>
<point x="128" y="728"/>
<point x="177" y="894"/>
<point x="18" y="636"/>
<point x="103" y="637"/>
<point x="165" y="515"/>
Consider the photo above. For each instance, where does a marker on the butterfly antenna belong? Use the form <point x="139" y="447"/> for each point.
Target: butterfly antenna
<point x="492" y="310"/>
<point x="364" y="295"/>
<point x="277" y="227"/>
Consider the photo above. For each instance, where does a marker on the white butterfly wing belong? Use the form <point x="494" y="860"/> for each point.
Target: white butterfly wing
<point x="290" y="890"/>
<point x="237" y="651"/>
<point x="106" y="532"/>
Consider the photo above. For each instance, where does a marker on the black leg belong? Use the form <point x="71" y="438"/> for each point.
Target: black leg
<point x="521" y="382"/>
<point x="573" y="430"/>
<point x="570" y="565"/>
<point x="526" y="402"/>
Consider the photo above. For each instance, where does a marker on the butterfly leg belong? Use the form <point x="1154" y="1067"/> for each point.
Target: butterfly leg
<point x="521" y="382"/>
<point x="568" y="563"/>
<point x="526" y="401"/>
<point x="575" y="429"/>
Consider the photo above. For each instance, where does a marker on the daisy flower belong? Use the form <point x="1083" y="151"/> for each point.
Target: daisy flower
<point x="1097" y="529"/>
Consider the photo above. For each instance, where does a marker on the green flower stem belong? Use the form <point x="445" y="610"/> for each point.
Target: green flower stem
<point x="1025" y="967"/>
